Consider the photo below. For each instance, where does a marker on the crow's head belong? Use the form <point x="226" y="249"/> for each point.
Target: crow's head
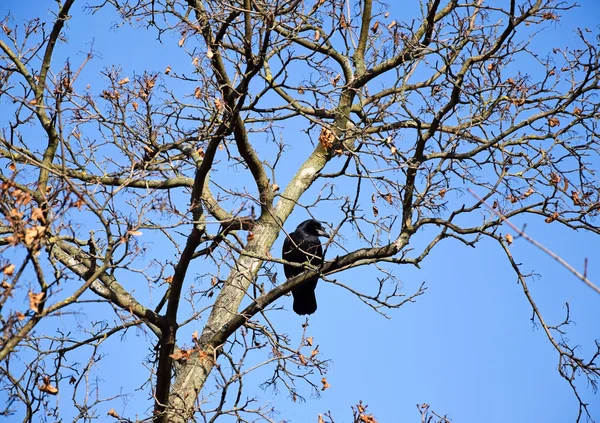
<point x="312" y="227"/>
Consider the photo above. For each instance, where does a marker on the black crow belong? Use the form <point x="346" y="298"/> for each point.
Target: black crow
<point x="303" y="246"/>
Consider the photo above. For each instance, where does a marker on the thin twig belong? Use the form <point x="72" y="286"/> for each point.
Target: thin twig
<point x="570" y="268"/>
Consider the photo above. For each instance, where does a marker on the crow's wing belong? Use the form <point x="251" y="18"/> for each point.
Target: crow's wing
<point x="300" y="247"/>
<point x="290" y="253"/>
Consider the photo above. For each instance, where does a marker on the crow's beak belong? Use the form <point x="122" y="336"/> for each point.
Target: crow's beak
<point x="323" y="233"/>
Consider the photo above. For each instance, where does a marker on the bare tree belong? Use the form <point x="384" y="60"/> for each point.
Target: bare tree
<point x="402" y="118"/>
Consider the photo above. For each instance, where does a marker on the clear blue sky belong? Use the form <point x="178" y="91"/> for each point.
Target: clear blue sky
<point x="467" y="346"/>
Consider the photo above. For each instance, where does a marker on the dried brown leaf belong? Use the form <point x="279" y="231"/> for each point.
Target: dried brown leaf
<point x="367" y="418"/>
<point x="113" y="413"/>
<point x="343" y="23"/>
<point x="15" y="215"/>
<point x="37" y="214"/>
<point x="180" y="355"/>
<point x="47" y="388"/>
<point x="24" y="198"/>
<point x="34" y="234"/>
<point x="9" y="270"/>
<point x="518" y="101"/>
<point x="35" y="300"/>
<point x="150" y="81"/>
<point x="326" y="138"/>
<point x="552" y="218"/>
<point x="336" y="79"/>
<point x="550" y="16"/>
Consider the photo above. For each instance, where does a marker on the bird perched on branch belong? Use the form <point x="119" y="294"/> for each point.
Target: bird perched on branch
<point x="303" y="246"/>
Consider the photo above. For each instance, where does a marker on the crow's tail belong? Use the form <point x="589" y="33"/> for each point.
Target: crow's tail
<point x="305" y="301"/>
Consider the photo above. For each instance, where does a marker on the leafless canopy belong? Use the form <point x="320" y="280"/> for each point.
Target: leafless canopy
<point x="396" y="119"/>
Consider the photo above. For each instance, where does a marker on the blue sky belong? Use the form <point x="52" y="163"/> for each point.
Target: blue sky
<point x="467" y="346"/>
